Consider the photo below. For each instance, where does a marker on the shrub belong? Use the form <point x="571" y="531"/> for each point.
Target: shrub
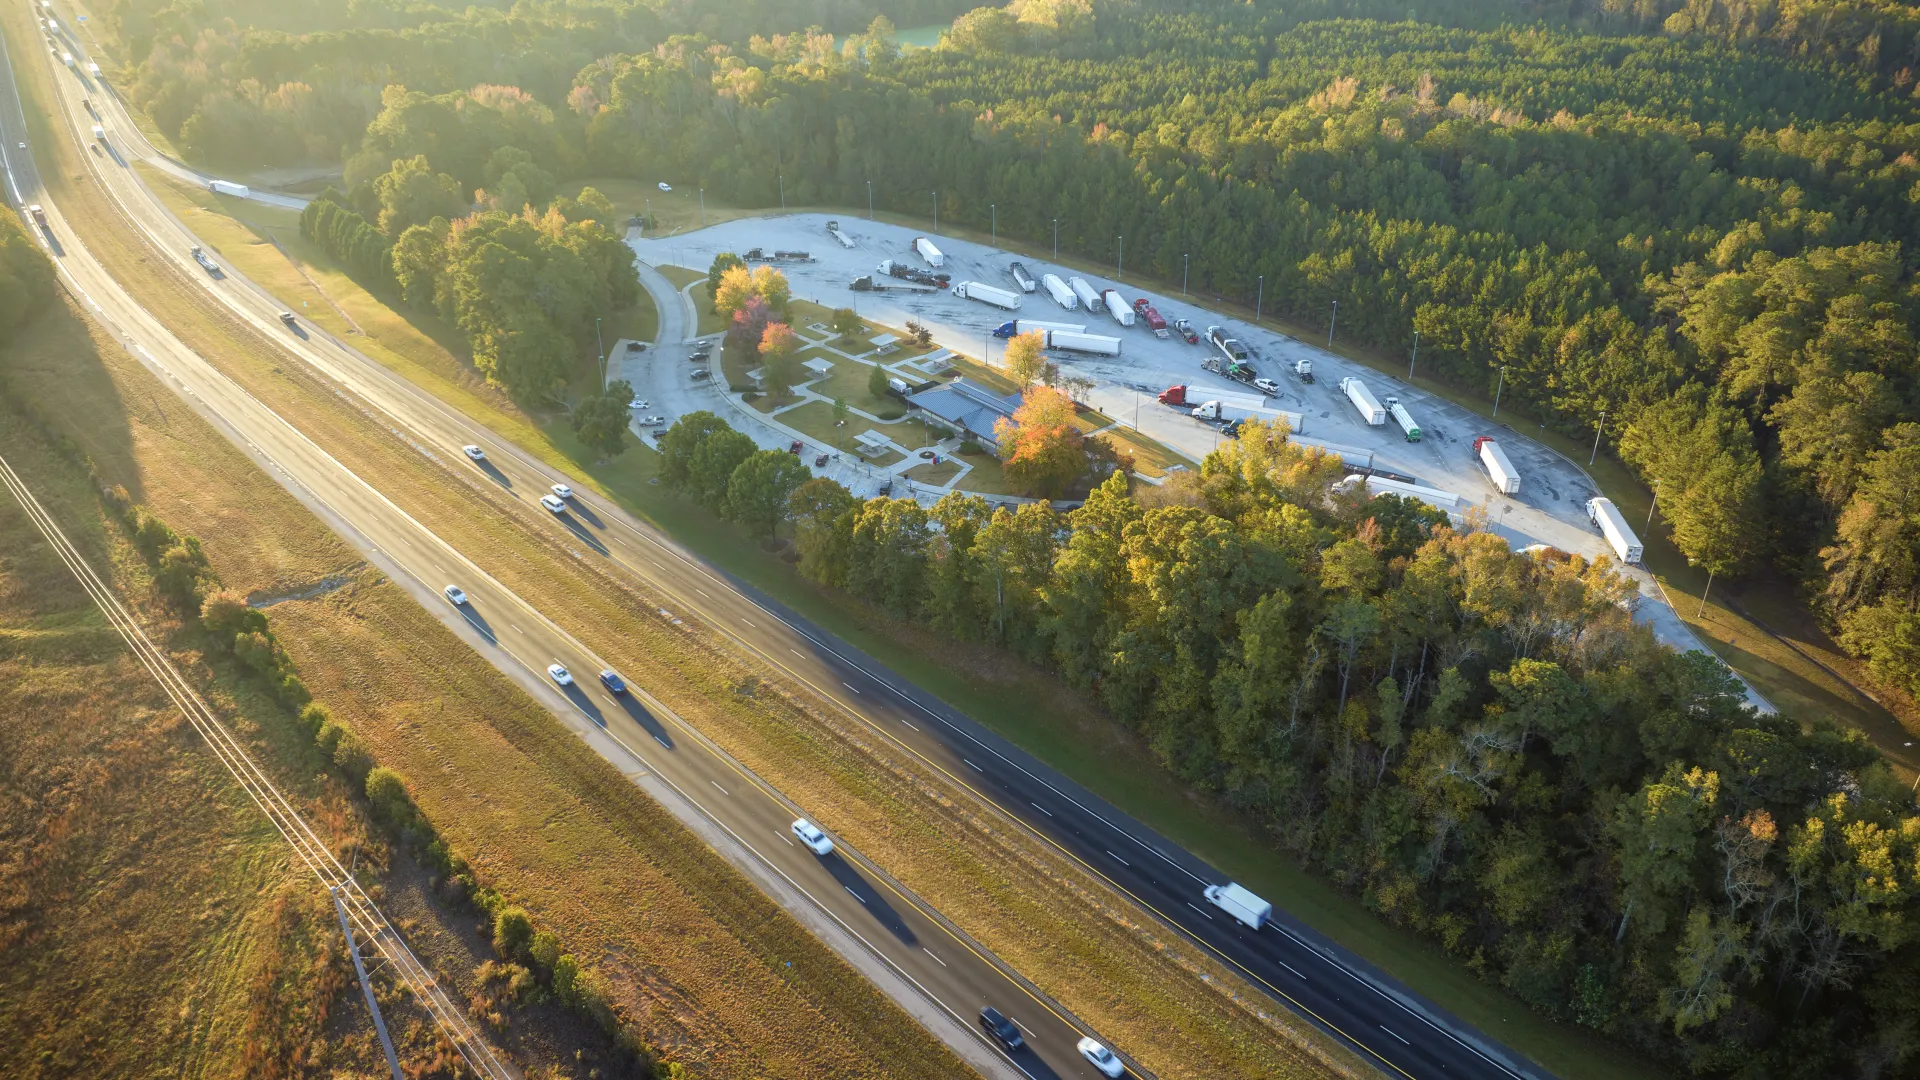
<point x="387" y="791"/>
<point x="226" y="614"/>
<point x="566" y="980"/>
<point x="313" y="717"/>
<point x="352" y="755"/>
<point x="545" y="949"/>
<point x="512" y="932"/>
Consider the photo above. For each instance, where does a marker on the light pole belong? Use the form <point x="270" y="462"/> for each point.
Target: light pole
<point x="1597" y="429"/>
<point x="1120" y="266"/>
<point x="936" y="210"/>
<point x="602" y="343"/>
<point x="703" y="208"/>
<point x="993" y="215"/>
<point x="1056" y="239"/>
<point x="1183" y="275"/>
<point x="1415" y="356"/>
<point x="1703" y="596"/>
<point x="1260" y="299"/>
<point x="777" y="175"/>
<point x="1333" y="322"/>
<point x="1651" y="503"/>
<point x="869" y="200"/>
<point x="649" y="221"/>
<point x="1501" y="385"/>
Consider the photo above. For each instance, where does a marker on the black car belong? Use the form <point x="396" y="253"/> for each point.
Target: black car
<point x="1000" y="1028"/>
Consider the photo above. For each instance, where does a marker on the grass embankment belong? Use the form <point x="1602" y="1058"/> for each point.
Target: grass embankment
<point x="708" y="320"/>
<point x="149" y="909"/>
<point x="972" y="889"/>
<point x="696" y="955"/>
<point x="516" y="790"/>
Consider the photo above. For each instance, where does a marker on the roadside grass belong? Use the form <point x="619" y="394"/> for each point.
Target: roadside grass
<point x="848" y="382"/>
<point x="681" y="276"/>
<point x="1150" y="456"/>
<point x="1562" y="1049"/>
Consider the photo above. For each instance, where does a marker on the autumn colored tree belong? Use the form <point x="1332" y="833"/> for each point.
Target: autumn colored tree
<point x="778" y="345"/>
<point x="1042" y="448"/>
<point x="1025" y="357"/>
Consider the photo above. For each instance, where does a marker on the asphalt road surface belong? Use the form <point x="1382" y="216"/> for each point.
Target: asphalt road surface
<point x="1386" y="1023"/>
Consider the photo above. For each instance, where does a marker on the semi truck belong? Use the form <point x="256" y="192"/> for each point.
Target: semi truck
<point x="1404" y="418"/>
<point x="1383" y="485"/>
<point x="205" y="263"/>
<point x="1074" y="341"/>
<point x="1088" y="298"/>
<point x="987" y="294"/>
<point x="39" y="216"/>
<point x="1225" y="413"/>
<point x="1303" y="370"/>
<point x="867" y="283"/>
<point x="1117" y="306"/>
<point x="1229" y="347"/>
<point x="1232" y="369"/>
<point x="1613" y="525"/>
<point x="1188" y="396"/>
<point x="224" y="187"/>
<point x="894" y="268"/>
<point x="1022" y="278"/>
<point x="1150" y="316"/>
<point x="1247" y="909"/>
<point x="1363" y="400"/>
<point x="1024" y="326"/>
<point x="924" y="247"/>
<point x="1499" y="467"/>
<point x="758" y="255"/>
<point x="833" y="230"/>
<point x="1061" y="294"/>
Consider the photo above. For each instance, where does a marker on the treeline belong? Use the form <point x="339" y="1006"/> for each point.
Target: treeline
<point x="1480" y="744"/>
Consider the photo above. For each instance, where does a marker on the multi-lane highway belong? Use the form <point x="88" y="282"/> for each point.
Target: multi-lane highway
<point x="1384" y="1022"/>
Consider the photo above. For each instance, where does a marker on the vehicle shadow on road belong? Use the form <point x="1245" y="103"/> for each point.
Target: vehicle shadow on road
<point x="869" y="897"/>
<point x="640" y="715"/>
<point x="580" y="531"/>
<point x="493" y="471"/>
<point x="578" y="696"/>
<point x="586" y="514"/>
<point x="479" y="622"/>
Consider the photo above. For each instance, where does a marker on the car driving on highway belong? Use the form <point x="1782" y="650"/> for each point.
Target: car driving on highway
<point x="810" y="834"/>
<point x="1101" y="1058"/>
<point x="1000" y="1028"/>
<point x="611" y="679"/>
<point x="554" y="503"/>
<point x="560" y="674"/>
<point x="563" y="491"/>
<point x="474" y="452"/>
<point x="456" y="594"/>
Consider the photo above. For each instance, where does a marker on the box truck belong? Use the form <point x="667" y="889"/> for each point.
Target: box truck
<point x="1505" y="476"/>
<point x="1058" y="290"/>
<point x="1363" y="400"/>
<point x="1245" y="907"/>
<point x="1022" y="278"/>
<point x="1088" y="298"/>
<point x="1615" y="528"/>
<point x="1404" y="418"/>
<point x="222" y="187"/>
<point x="1118" y="307"/>
<point x="93" y="70"/>
<point x="927" y="251"/>
<point x="100" y="133"/>
<point x="1023" y="326"/>
<point x="987" y="294"/>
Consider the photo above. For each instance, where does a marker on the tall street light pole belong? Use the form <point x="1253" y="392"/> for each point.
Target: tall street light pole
<point x="1651" y="503"/>
<point x="993" y="215"/>
<point x="1056" y="239"/>
<point x="600" y="341"/>
<point x="1415" y="356"/>
<point x="936" y="211"/>
<point x="782" y="179"/>
<point x="1183" y="275"/>
<point x="1260" y="298"/>
<point x="1597" y="429"/>
<point x="1333" y="322"/>
<point x="869" y="200"/>
<point x="703" y="208"/>
<point x="1501" y="385"/>
<point x="1120" y="267"/>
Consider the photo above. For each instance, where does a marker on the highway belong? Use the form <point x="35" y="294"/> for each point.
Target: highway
<point x="1386" y="1023"/>
<point x="948" y="977"/>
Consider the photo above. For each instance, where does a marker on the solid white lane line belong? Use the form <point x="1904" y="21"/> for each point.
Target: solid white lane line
<point x="849" y="686"/>
<point x="974" y="767"/>
<point x="1040" y="808"/>
<point x="1118" y="859"/>
<point x="1209" y="917"/>
<point x="936" y="959"/>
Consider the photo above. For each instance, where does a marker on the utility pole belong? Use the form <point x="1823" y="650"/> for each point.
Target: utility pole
<point x="869" y="200"/>
<point x="936" y="210"/>
<point x="1183" y="275"/>
<point x="777" y="175"/>
<point x="1597" y="429"/>
<point x="1260" y="301"/>
<point x="1333" y="322"/>
<point x="703" y="208"/>
<point x="366" y="988"/>
<point x="1703" y="596"/>
<point x="1502" y="385"/>
<point x="1415" y="356"/>
<point x="1651" y="503"/>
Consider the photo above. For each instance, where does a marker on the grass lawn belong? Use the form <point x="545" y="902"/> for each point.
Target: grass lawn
<point x="1150" y="456"/>
<point x="986" y="477"/>
<point x="815" y="420"/>
<point x="930" y="473"/>
<point x="848" y="382"/>
<point x="991" y="378"/>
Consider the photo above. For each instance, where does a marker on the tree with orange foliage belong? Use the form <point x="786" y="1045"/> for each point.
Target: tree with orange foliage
<point x="1042" y="449"/>
<point x="778" y="344"/>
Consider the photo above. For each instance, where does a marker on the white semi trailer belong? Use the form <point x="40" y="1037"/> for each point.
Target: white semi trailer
<point x="1381" y="485"/>
<point x="1073" y="341"/>
<point x="987" y="294"/>
<point x="1370" y="408"/>
<point x="223" y="187"/>
<point x="1118" y="307"/>
<point x="924" y="247"/>
<point x="1058" y="290"/>
<point x="1088" y="298"/>
<point x="1499" y="466"/>
<point x="1613" y="525"/>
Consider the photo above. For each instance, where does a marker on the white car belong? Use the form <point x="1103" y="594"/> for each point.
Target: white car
<point x="810" y="835"/>
<point x="560" y="674"/>
<point x="474" y="452"/>
<point x="664" y="186"/>
<point x="639" y="403"/>
<point x="1101" y="1058"/>
<point x="563" y="491"/>
<point x="553" y="503"/>
<point x="455" y="594"/>
<point x="1266" y="386"/>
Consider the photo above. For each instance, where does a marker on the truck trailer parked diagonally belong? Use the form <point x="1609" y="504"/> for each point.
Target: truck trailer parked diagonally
<point x="1061" y="294"/>
<point x="1021" y="277"/>
<point x="924" y="247"/>
<point x="833" y="230"/>
<point x="1151" y="316"/>
<point x="1188" y="396"/>
<point x="1023" y="326"/>
<point x="1118" y="307"/>
<point x="1370" y="408"/>
<point x="1613" y="525"/>
<point x="987" y="294"/>
<point x="1404" y="418"/>
<point x="1499" y="466"/>
<point x="1088" y="298"/>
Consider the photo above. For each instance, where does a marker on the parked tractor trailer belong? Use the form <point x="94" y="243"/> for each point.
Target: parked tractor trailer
<point x="1613" y="525"/>
<point x="1499" y="467"/>
<point x="1075" y="341"/>
<point x="1026" y="326"/>
<point x="1021" y="277"/>
<point x="1061" y="294"/>
<point x="1369" y="406"/>
<point x="1117" y="306"/>
<point x="987" y="294"/>
<point x="1088" y="298"/>
<point x="925" y="249"/>
<point x="1404" y="418"/>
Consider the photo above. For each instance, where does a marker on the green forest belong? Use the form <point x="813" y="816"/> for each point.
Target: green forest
<point x="1698" y="219"/>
